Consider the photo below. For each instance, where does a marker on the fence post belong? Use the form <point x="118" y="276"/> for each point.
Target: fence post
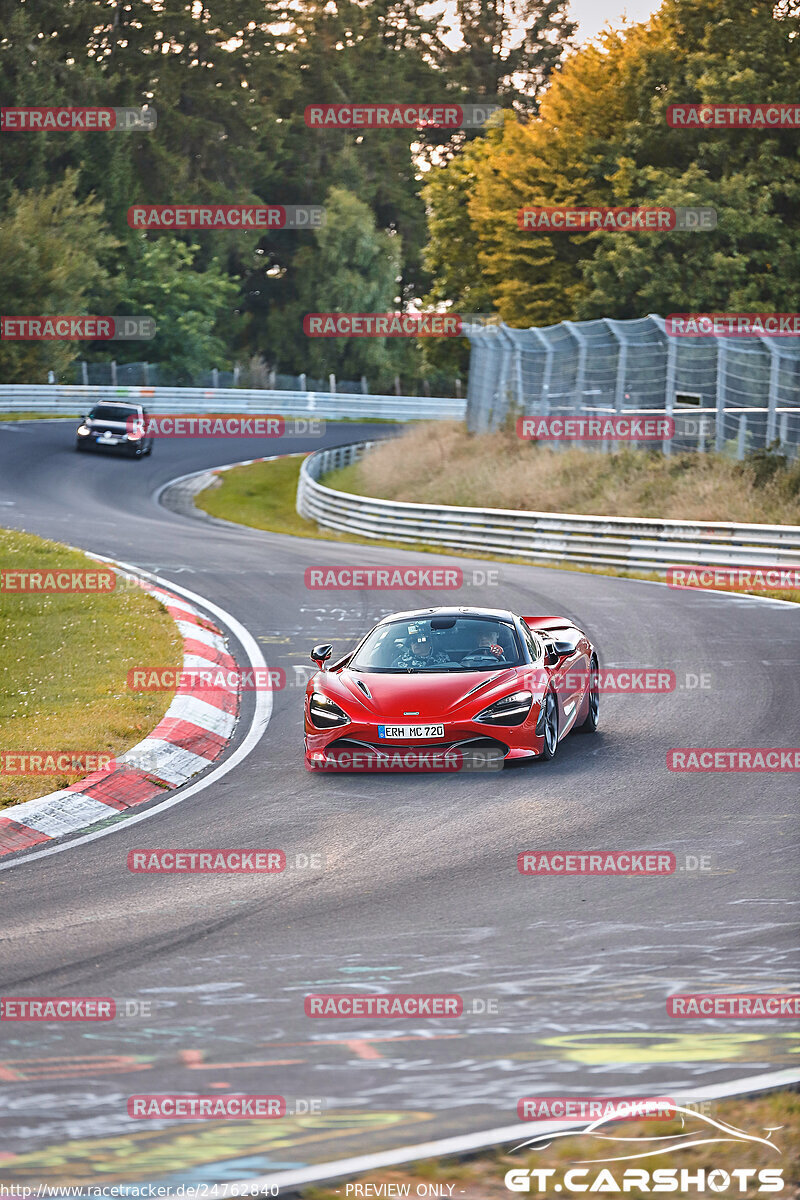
<point x="397" y="385"/>
<point x="580" y="375"/>
<point x="547" y="373"/>
<point x="669" y="381"/>
<point x="332" y="383"/>
<point x="214" y="377"/>
<point x="236" y="371"/>
<point x="722" y="363"/>
<point x="303" y="387"/>
<point x="740" y="441"/>
<point x="146" y="374"/>
<point x="113" y="373"/>
<point x="458" y="389"/>
<point x="774" y="381"/>
<point x="364" y="386"/>
<point x="84" y="374"/>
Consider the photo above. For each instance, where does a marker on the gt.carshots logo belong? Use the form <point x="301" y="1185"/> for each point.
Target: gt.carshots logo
<point x="596" y="862"/>
<point x="614" y="427"/>
<point x="697" y="1128"/>
<point x="734" y="758"/>
<point x="406" y="1005"/>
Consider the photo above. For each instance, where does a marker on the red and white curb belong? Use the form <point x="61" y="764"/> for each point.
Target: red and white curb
<point x="193" y="733"/>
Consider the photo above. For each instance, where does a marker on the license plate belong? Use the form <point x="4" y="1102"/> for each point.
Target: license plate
<point x="410" y="732"/>
<point x="107" y="441"/>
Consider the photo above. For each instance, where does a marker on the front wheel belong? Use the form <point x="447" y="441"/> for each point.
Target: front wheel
<point x="549" y="726"/>
<point x="589" y="725"/>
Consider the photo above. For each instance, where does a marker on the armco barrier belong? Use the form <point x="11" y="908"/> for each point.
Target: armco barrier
<point x="54" y="399"/>
<point x="633" y="542"/>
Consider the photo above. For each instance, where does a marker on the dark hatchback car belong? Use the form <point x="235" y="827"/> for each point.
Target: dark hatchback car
<point x="115" y="427"/>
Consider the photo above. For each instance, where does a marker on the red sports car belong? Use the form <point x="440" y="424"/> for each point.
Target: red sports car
<point x="438" y="682"/>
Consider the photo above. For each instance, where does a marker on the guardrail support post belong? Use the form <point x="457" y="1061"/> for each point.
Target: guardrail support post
<point x="113" y="373"/>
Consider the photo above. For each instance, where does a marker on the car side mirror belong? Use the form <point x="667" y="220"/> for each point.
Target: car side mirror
<point x="321" y="654"/>
<point x="559" y="650"/>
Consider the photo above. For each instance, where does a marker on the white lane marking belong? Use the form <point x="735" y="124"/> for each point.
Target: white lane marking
<point x="61" y="812"/>
<point x="198" y="634"/>
<point x="260" y="721"/>
<point x="445" y="1147"/>
<point x="170" y="602"/>
<point x="165" y="760"/>
<point x="186" y="707"/>
<point x="196" y="662"/>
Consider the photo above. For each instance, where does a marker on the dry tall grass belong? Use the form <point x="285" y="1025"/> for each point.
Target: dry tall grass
<point x="440" y="463"/>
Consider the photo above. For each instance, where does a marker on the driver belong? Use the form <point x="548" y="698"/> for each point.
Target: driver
<point x="488" y="643"/>
<point x="419" y="652"/>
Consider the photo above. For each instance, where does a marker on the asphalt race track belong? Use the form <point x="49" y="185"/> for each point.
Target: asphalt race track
<point x="419" y="891"/>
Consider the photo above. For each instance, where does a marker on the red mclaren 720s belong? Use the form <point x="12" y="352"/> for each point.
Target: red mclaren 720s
<point x="440" y="682"/>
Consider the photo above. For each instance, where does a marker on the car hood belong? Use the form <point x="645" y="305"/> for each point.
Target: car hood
<point x="397" y="697"/>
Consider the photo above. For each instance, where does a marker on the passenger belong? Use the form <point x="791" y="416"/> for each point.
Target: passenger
<point x="419" y="652"/>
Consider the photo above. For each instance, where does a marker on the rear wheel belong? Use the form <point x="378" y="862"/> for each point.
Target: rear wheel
<point x="589" y="725"/>
<point x="549" y="726"/>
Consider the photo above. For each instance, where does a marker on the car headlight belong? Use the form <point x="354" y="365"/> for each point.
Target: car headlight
<point x="511" y="710"/>
<point x="324" y="713"/>
<point x="83" y="431"/>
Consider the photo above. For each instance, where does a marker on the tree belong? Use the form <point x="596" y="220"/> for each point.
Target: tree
<point x="509" y="48"/>
<point x="192" y="308"/>
<point x="54" y="251"/>
<point x="351" y="267"/>
<point x="601" y="138"/>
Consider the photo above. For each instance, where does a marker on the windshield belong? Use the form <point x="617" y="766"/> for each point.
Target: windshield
<point x="440" y="644"/>
<point x="113" y="412"/>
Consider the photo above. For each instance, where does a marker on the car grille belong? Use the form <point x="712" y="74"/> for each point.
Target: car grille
<point x="389" y="745"/>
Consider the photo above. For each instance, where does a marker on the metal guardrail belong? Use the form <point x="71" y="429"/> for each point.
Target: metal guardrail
<point x="637" y="543"/>
<point x="54" y="399"/>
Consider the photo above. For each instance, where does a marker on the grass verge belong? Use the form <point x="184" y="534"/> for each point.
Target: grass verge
<point x="482" y="1177"/>
<point x="38" y="416"/>
<point x="439" y="462"/>
<point x="64" y="660"/>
